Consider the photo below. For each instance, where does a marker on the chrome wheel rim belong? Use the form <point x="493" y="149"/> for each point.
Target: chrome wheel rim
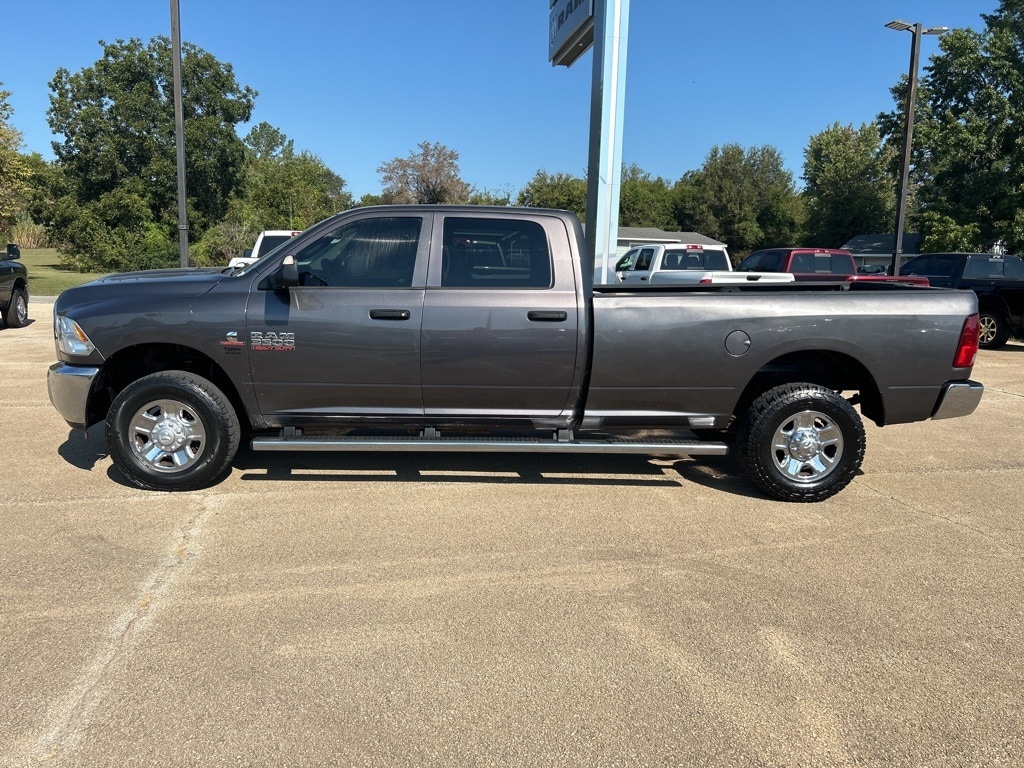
<point x="167" y="436"/>
<point x="987" y="329"/>
<point x="21" y="308"/>
<point x="807" y="447"/>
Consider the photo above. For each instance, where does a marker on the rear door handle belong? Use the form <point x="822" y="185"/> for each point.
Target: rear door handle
<point x="545" y="316"/>
<point x="390" y="314"/>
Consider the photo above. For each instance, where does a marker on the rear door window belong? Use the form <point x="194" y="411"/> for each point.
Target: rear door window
<point x="494" y="253"/>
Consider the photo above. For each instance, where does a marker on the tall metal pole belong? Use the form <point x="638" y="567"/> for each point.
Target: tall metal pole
<point x="179" y="133"/>
<point x="908" y="137"/>
<point x="607" y="108"/>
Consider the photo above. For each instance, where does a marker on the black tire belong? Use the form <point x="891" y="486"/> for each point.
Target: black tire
<point x="801" y="442"/>
<point x="16" y="314"/>
<point x="994" y="330"/>
<point x="172" y="431"/>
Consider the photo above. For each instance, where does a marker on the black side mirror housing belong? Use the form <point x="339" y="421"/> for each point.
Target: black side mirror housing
<point x="13" y="251"/>
<point x="289" y="272"/>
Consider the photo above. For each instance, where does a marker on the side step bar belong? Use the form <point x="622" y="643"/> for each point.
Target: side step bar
<point x="492" y="445"/>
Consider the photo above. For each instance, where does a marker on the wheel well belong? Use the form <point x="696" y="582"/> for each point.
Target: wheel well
<point x="132" y="363"/>
<point x="18" y="283"/>
<point x="832" y="370"/>
<point x="994" y="308"/>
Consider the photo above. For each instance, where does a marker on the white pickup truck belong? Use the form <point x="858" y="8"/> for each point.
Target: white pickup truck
<point x="682" y="264"/>
<point x="266" y="241"/>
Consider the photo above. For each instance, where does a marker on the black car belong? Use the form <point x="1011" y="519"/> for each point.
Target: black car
<point x="13" y="289"/>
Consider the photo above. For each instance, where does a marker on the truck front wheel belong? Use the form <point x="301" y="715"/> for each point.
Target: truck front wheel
<point x="16" y="315"/>
<point x="172" y="431"/>
<point x="801" y="442"/>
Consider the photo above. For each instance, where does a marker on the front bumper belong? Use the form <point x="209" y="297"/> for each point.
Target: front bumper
<point x="69" y="387"/>
<point x="958" y="398"/>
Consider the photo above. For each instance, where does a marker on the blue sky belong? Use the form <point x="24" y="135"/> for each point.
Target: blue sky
<point x="360" y="83"/>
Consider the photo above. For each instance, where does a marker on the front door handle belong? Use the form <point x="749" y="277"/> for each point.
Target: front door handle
<point x="552" y="316"/>
<point x="390" y="314"/>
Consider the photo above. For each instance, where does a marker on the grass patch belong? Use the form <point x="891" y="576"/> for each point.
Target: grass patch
<point x="46" y="276"/>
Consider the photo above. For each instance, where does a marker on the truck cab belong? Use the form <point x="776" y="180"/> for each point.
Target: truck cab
<point x="805" y="263"/>
<point x="638" y="264"/>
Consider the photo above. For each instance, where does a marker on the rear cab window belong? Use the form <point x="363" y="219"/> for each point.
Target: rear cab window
<point x="703" y="259"/>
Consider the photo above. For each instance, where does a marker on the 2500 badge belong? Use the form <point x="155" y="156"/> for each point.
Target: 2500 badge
<point x="260" y="341"/>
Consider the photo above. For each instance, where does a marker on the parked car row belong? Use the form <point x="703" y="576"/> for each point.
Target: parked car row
<point x="685" y="264"/>
<point x="818" y="264"/>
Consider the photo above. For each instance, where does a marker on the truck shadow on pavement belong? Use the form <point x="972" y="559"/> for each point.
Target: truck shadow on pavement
<point x="84" y="450"/>
<point x="713" y="472"/>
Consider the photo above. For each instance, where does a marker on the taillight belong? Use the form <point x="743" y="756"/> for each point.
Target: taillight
<point x="705" y="281"/>
<point x="967" y="349"/>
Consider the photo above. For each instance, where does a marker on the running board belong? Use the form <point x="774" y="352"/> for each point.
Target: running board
<point x="492" y="445"/>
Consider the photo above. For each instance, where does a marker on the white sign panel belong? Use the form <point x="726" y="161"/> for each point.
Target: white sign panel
<point x="571" y="30"/>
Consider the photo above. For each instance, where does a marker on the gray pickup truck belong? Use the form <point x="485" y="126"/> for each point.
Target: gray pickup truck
<point x="435" y="328"/>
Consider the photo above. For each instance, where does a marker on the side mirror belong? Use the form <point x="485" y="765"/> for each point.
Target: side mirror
<point x="13" y="251"/>
<point x="247" y="253"/>
<point x="289" y="272"/>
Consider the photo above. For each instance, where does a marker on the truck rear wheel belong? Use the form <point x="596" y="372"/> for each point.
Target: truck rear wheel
<point x="801" y="442"/>
<point x="172" y="431"/>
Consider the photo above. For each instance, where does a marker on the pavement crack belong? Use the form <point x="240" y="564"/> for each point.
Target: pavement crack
<point x="1007" y="392"/>
<point x="69" y="718"/>
<point x="946" y="519"/>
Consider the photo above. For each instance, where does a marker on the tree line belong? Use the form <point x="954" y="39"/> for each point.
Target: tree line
<point x="108" y="200"/>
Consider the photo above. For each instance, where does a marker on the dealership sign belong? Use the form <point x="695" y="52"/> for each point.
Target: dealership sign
<point x="571" y="32"/>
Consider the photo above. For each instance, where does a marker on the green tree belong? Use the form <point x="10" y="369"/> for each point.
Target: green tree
<point x="14" y="171"/>
<point x="430" y="175"/>
<point x="487" y="197"/>
<point x="561" y="191"/>
<point x="280" y="189"/>
<point x="371" y="199"/>
<point x="745" y="198"/>
<point x="288" y="189"/>
<point x="644" y="201"/>
<point x="968" y="162"/>
<point x="940" y="233"/>
<point x="115" y="198"/>
<point x="849" y="188"/>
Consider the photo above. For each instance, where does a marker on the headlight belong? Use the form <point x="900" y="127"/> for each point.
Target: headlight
<point x="71" y="339"/>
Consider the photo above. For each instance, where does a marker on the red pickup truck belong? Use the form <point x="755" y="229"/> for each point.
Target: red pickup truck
<point x="816" y="264"/>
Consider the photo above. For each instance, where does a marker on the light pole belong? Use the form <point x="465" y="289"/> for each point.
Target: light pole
<point x="908" y="131"/>
<point x="179" y="133"/>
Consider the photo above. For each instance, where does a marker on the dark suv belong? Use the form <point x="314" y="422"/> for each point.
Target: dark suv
<point x="997" y="280"/>
<point x="13" y="289"/>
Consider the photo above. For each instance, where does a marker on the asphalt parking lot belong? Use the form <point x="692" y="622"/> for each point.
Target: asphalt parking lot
<point x="392" y="610"/>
